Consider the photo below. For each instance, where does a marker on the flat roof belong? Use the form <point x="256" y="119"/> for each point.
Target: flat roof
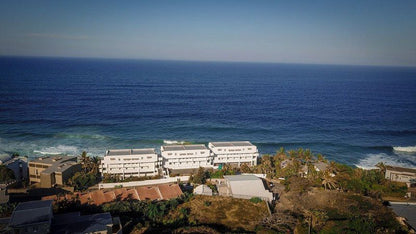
<point x="31" y="212"/>
<point x="76" y="223"/>
<point x="183" y="147"/>
<point x="241" y="177"/>
<point x="401" y="169"/>
<point x="231" y="143"/>
<point x="406" y="210"/>
<point x="53" y="159"/>
<point x="121" y="152"/>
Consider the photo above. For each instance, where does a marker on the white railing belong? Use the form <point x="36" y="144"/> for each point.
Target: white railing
<point x="144" y="182"/>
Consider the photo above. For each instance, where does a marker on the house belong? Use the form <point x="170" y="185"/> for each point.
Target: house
<point x="99" y="197"/>
<point x="37" y="217"/>
<point x="131" y="162"/>
<point x="53" y="170"/>
<point x="234" y="153"/>
<point x="32" y="217"/>
<point x="17" y="164"/>
<point x="246" y="187"/>
<point x="203" y="190"/>
<point x="177" y="157"/>
<point x="101" y="223"/>
<point x="400" y="174"/>
<point x="320" y="166"/>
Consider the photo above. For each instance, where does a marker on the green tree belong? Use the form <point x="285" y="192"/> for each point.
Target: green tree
<point x="200" y="177"/>
<point x="6" y="174"/>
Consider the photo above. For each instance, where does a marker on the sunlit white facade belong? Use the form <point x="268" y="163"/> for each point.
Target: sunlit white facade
<point x="130" y="162"/>
<point x="234" y="153"/>
<point x="186" y="156"/>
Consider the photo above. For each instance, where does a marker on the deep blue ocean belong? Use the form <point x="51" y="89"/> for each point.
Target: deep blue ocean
<point x="357" y="115"/>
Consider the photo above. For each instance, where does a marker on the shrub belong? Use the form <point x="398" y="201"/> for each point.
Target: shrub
<point x="256" y="200"/>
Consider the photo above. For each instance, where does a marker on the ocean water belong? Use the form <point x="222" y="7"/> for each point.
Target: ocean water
<point x="352" y="114"/>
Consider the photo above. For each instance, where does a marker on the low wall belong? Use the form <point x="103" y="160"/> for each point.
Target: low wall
<point x="144" y="182"/>
<point x="258" y="175"/>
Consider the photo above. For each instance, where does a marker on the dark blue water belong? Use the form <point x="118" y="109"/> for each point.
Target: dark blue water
<point x="352" y="114"/>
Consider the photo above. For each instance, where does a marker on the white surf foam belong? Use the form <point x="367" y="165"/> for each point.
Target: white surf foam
<point x="60" y="149"/>
<point x="169" y="142"/>
<point x="408" y="149"/>
<point x="371" y="161"/>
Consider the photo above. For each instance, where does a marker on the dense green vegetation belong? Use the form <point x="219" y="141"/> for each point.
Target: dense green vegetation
<point x="6" y="174"/>
<point x="6" y="209"/>
<point x="88" y="176"/>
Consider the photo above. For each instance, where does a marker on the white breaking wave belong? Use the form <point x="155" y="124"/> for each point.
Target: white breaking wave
<point x="168" y="142"/>
<point x="408" y="149"/>
<point x="60" y="149"/>
<point x="372" y="159"/>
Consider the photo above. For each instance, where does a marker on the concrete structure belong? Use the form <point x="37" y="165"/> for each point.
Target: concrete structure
<point x="246" y="187"/>
<point x="400" y="174"/>
<point x="37" y="217"/>
<point x="203" y="190"/>
<point x="131" y="162"/>
<point x="407" y="211"/>
<point x="186" y="156"/>
<point x="32" y="217"/>
<point x="52" y="170"/>
<point x="176" y="179"/>
<point x="234" y="153"/>
<point x="17" y="164"/>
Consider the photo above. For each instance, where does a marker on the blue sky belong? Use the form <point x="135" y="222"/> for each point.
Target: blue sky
<point x="328" y="32"/>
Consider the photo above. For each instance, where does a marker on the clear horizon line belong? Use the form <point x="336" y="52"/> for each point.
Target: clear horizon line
<point x="207" y="61"/>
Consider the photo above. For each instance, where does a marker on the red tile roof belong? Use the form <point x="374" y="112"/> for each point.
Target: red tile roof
<point x="98" y="197"/>
<point x="149" y="193"/>
<point x="170" y="191"/>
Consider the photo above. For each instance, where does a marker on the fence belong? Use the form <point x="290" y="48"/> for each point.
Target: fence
<point x="144" y="182"/>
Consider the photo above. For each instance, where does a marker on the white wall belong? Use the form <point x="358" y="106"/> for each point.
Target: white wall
<point x="144" y="182"/>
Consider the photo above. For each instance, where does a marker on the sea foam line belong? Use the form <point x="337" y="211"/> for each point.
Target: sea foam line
<point x="408" y="149"/>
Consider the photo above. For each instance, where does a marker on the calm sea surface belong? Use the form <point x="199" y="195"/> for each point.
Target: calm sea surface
<point x="352" y="114"/>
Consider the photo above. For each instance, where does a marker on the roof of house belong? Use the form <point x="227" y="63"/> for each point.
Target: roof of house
<point x="401" y="169"/>
<point x="149" y="192"/>
<point x="231" y="144"/>
<point x="322" y="166"/>
<point x="241" y="178"/>
<point x="169" y="191"/>
<point x="247" y="186"/>
<point x="76" y="223"/>
<point x="122" y="152"/>
<point x="54" y="159"/>
<point x="203" y="190"/>
<point x="98" y="197"/>
<point x="56" y="163"/>
<point x="183" y="147"/>
<point x="27" y="213"/>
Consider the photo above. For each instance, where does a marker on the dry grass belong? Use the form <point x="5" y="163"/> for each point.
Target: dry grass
<point x="230" y="212"/>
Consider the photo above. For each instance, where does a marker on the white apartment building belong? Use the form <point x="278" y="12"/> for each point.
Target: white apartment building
<point x="186" y="156"/>
<point x="234" y="153"/>
<point x="130" y="162"/>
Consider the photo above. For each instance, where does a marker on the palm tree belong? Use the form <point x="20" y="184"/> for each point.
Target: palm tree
<point x="382" y="167"/>
<point x="85" y="161"/>
<point x="95" y="165"/>
<point x="329" y="182"/>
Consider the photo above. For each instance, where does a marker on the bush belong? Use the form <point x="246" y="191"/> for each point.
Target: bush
<point x="256" y="200"/>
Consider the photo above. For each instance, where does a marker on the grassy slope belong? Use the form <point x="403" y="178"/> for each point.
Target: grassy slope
<point x="234" y="214"/>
